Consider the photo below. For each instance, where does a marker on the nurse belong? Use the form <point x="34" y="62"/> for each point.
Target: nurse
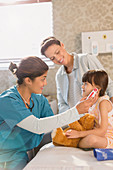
<point x="25" y="113"/>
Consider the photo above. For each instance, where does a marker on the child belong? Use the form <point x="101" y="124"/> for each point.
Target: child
<point x="102" y="135"/>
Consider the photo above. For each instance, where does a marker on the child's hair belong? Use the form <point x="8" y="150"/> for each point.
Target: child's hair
<point x="98" y="78"/>
<point x="48" y="42"/>
<point x="31" y="67"/>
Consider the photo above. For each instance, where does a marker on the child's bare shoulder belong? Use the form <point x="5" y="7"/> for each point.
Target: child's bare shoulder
<point x="105" y="104"/>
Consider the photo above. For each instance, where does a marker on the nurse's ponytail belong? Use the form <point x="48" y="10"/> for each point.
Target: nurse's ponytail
<point x="13" y="68"/>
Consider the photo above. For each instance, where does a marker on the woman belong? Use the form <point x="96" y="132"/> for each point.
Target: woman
<point x="69" y="75"/>
<point x="25" y="114"/>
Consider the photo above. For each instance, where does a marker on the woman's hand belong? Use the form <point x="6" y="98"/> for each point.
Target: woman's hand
<point x="72" y="133"/>
<point x="85" y="104"/>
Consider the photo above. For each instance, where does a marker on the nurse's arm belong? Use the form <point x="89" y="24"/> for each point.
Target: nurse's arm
<point x="47" y="124"/>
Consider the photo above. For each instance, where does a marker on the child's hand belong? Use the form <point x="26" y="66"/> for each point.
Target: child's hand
<point x="72" y="133"/>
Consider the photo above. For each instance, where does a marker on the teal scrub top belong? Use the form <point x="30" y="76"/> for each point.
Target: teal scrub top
<point x="15" y="141"/>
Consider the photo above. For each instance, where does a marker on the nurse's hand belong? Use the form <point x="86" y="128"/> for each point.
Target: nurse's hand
<point x="85" y="104"/>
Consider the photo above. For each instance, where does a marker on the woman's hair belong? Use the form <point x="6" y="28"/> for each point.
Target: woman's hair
<point x="48" y="42"/>
<point x="31" y="67"/>
<point x="98" y="78"/>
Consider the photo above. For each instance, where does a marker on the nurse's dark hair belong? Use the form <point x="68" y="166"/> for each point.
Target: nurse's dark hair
<point x="98" y="78"/>
<point x="31" y="67"/>
<point x="47" y="43"/>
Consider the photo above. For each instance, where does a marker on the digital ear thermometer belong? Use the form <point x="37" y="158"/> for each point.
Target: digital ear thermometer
<point x="92" y="94"/>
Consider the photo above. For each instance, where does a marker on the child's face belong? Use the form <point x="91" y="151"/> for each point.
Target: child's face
<point x="87" y="88"/>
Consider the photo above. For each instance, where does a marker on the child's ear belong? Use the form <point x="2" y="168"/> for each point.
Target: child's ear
<point x="99" y="89"/>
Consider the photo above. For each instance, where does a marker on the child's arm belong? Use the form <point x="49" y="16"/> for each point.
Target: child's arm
<point x="105" y="107"/>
